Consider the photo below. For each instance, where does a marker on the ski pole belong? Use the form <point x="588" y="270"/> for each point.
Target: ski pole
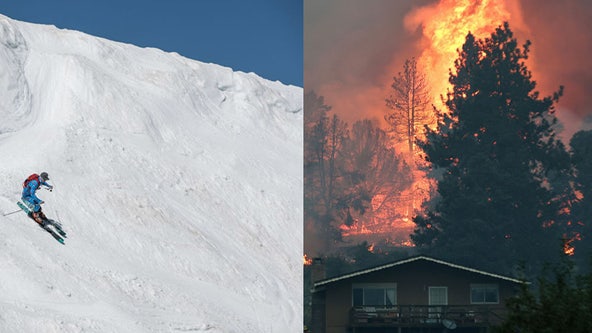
<point x="16" y="211"/>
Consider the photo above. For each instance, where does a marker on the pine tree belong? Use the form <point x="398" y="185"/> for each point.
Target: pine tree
<point x="408" y="105"/>
<point x="343" y="171"/>
<point x="499" y="158"/>
<point x="581" y="156"/>
<point x="372" y="170"/>
<point x="324" y="136"/>
<point x="407" y="115"/>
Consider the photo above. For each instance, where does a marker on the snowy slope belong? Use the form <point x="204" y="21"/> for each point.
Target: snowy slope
<point x="179" y="184"/>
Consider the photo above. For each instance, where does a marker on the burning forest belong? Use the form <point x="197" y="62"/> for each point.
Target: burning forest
<point x="412" y="132"/>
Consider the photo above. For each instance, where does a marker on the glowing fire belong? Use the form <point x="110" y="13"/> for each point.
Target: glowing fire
<point x="445" y="26"/>
<point x="568" y="248"/>
<point x="307" y="260"/>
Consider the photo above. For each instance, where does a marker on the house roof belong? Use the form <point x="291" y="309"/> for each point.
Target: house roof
<point x="409" y="260"/>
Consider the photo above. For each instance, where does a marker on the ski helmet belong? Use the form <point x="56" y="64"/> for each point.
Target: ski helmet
<point x="44" y="176"/>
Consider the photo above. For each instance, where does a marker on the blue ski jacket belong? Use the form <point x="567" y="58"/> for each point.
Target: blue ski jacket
<point x="30" y="189"/>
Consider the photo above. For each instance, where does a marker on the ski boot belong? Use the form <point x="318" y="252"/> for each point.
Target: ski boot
<point x="39" y="217"/>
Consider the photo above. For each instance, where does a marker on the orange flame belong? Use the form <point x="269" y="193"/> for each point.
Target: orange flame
<point x="307" y="261"/>
<point x="568" y="247"/>
<point x="445" y="26"/>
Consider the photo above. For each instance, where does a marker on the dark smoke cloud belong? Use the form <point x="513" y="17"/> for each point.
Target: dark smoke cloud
<point x="353" y="48"/>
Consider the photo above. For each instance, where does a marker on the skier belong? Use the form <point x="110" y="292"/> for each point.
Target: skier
<point x="30" y="186"/>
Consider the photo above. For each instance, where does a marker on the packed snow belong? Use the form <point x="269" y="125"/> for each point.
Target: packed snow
<point x="179" y="184"/>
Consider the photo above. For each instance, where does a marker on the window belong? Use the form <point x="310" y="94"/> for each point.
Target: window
<point x="484" y="294"/>
<point x="438" y="295"/>
<point x="375" y="294"/>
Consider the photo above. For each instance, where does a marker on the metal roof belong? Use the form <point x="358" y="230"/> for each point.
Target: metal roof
<point x="412" y="259"/>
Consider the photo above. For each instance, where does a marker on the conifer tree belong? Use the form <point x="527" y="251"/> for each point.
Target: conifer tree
<point x="343" y="171"/>
<point x="372" y="170"/>
<point x="408" y="105"/>
<point x="581" y="156"/>
<point x="499" y="159"/>
<point x="324" y="136"/>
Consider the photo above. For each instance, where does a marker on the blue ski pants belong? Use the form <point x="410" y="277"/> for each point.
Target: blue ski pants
<point x="32" y="203"/>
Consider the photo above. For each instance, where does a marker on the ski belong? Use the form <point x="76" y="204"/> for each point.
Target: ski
<point x="23" y="207"/>
<point x="48" y="222"/>
<point x="56" y="236"/>
<point x="58" y="227"/>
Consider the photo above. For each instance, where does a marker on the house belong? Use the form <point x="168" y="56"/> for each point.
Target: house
<point x="418" y="294"/>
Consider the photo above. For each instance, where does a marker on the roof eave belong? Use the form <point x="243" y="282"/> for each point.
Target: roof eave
<point x="404" y="261"/>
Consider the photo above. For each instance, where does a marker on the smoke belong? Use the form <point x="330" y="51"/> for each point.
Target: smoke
<point x="559" y="31"/>
<point x="353" y="48"/>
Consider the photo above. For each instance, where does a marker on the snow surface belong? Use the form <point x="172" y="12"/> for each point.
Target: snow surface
<point x="179" y="184"/>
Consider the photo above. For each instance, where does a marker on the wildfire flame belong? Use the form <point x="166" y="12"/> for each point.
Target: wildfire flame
<point x="568" y="247"/>
<point x="307" y="261"/>
<point x="445" y="26"/>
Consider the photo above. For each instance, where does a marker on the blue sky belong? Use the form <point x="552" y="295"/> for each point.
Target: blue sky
<point x="260" y="36"/>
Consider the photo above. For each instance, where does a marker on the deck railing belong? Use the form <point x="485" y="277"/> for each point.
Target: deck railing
<point x="426" y="315"/>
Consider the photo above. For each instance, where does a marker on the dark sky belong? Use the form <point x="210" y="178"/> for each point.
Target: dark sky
<point x="352" y="49"/>
<point x="260" y="36"/>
